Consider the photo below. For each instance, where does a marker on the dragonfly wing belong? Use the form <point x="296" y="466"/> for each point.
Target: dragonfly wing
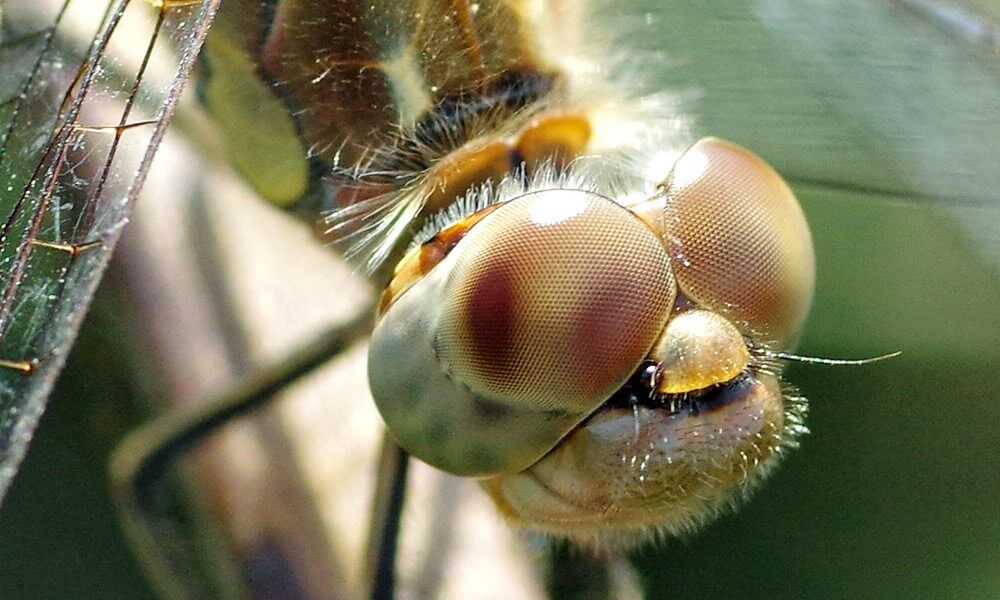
<point x="85" y="96"/>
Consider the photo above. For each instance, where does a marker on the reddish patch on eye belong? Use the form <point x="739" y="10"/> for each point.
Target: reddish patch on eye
<point x="491" y="320"/>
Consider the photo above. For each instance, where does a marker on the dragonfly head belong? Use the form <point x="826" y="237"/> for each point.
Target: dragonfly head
<point x="594" y="362"/>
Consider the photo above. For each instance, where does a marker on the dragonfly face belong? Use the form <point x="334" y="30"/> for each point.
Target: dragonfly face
<point x="573" y="351"/>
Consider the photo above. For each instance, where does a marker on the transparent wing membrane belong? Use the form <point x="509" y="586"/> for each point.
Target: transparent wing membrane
<point x="85" y="93"/>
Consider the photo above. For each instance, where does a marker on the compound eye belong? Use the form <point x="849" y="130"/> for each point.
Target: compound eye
<point x="739" y="239"/>
<point x="554" y="301"/>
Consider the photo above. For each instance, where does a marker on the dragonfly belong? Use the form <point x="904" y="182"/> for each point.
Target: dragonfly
<point x="859" y="171"/>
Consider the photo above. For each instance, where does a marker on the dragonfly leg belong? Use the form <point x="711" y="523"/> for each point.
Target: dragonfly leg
<point x="142" y="463"/>
<point x="383" y="526"/>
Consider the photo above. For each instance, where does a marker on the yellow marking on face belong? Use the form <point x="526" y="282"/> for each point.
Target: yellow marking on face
<point x="698" y="349"/>
<point x="558" y="137"/>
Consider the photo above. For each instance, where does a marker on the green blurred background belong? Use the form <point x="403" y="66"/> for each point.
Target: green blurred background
<point x="886" y="122"/>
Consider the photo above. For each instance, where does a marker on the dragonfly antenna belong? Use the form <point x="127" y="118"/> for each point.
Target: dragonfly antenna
<point x="839" y="362"/>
